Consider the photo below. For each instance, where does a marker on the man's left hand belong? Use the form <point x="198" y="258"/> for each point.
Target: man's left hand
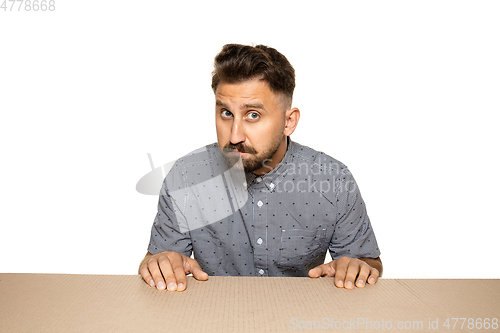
<point x="349" y="271"/>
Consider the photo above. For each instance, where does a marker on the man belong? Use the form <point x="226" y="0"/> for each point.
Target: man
<point x="256" y="203"/>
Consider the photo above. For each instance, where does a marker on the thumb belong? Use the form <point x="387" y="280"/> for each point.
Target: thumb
<point x="322" y="270"/>
<point x="196" y="270"/>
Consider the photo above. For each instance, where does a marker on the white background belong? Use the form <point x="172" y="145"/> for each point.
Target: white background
<point x="406" y="93"/>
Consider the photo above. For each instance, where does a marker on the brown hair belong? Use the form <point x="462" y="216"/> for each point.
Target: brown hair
<point x="237" y="63"/>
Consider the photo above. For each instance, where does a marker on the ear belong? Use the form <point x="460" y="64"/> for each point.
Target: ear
<point x="292" y="117"/>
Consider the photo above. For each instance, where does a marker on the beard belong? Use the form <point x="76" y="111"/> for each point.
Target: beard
<point x="254" y="162"/>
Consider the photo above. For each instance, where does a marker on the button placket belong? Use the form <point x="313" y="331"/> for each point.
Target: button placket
<point x="260" y="230"/>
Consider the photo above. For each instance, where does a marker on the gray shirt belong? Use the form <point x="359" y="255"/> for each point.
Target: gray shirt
<point x="278" y="224"/>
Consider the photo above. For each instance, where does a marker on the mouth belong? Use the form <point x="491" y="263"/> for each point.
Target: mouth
<point x="237" y="152"/>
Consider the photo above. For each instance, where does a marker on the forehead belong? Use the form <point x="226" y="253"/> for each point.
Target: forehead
<point x="245" y="91"/>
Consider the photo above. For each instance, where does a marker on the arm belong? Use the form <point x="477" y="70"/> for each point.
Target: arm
<point x="167" y="269"/>
<point x="353" y="238"/>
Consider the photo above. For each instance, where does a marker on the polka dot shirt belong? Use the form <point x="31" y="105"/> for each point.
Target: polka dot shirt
<point x="278" y="224"/>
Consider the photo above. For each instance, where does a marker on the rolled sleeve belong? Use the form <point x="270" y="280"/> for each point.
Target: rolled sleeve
<point x="353" y="235"/>
<point x="166" y="234"/>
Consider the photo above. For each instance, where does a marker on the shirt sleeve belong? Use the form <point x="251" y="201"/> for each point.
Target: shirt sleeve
<point x="353" y="235"/>
<point x="166" y="233"/>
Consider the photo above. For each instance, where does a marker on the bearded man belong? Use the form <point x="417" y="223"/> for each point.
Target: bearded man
<point x="256" y="203"/>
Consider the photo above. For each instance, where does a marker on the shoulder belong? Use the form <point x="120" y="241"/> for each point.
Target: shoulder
<point x="327" y="175"/>
<point x="201" y="155"/>
<point x="196" y="166"/>
<point x="317" y="161"/>
<point x="198" y="158"/>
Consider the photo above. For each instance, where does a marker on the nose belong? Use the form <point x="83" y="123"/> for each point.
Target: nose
<point x="237" y="132"/>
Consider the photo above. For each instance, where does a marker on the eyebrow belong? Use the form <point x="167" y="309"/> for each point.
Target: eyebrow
<point x="220" y="103"/>
<point x="244" y="106"/>
<point x="254" y="106"/>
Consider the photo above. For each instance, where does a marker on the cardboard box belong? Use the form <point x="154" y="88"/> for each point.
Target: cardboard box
<point x="93" y="303"/>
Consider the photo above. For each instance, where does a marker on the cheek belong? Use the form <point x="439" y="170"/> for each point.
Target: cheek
<point x="266" y="131"/>
<point x="260" y="136"/>
<point x="223" y="131"/>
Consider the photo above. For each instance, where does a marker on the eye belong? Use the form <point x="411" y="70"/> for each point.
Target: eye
<point x="253" y="115"/>
<point x="226" y="113"/>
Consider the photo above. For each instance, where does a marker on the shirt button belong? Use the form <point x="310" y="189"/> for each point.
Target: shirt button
<point x="258" y="179"/>
<point x="259" y="241"/>
<point x="261" y="271"/>
<point x="271" y="186"/>
<point x="259" y="203"/>
<point x="245" y="184"/>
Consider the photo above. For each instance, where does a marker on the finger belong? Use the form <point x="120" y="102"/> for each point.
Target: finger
<point x="340" y="271"/>
<point x="154" y="269"/>
<point x="351" y="273"/>
<point x="194" y="268"/>
<point x="374" y="275"/>
<point x="167" y="272"/>
<point x="364" y="272"/>
<point x="146" y="275"/>
<point x="322" y="270"/>
<point x="179" y="281"/>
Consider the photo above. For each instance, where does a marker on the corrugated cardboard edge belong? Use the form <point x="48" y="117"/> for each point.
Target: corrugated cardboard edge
<point x="104" y="303"/>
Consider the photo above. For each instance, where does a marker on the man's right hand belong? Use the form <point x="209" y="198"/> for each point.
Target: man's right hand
<point x="168" y="270"/>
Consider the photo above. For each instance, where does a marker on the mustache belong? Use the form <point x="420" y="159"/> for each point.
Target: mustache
<point x="239" y="147"/>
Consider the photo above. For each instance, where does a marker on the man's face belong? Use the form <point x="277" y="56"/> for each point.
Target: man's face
<point x="250" y="120"/>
